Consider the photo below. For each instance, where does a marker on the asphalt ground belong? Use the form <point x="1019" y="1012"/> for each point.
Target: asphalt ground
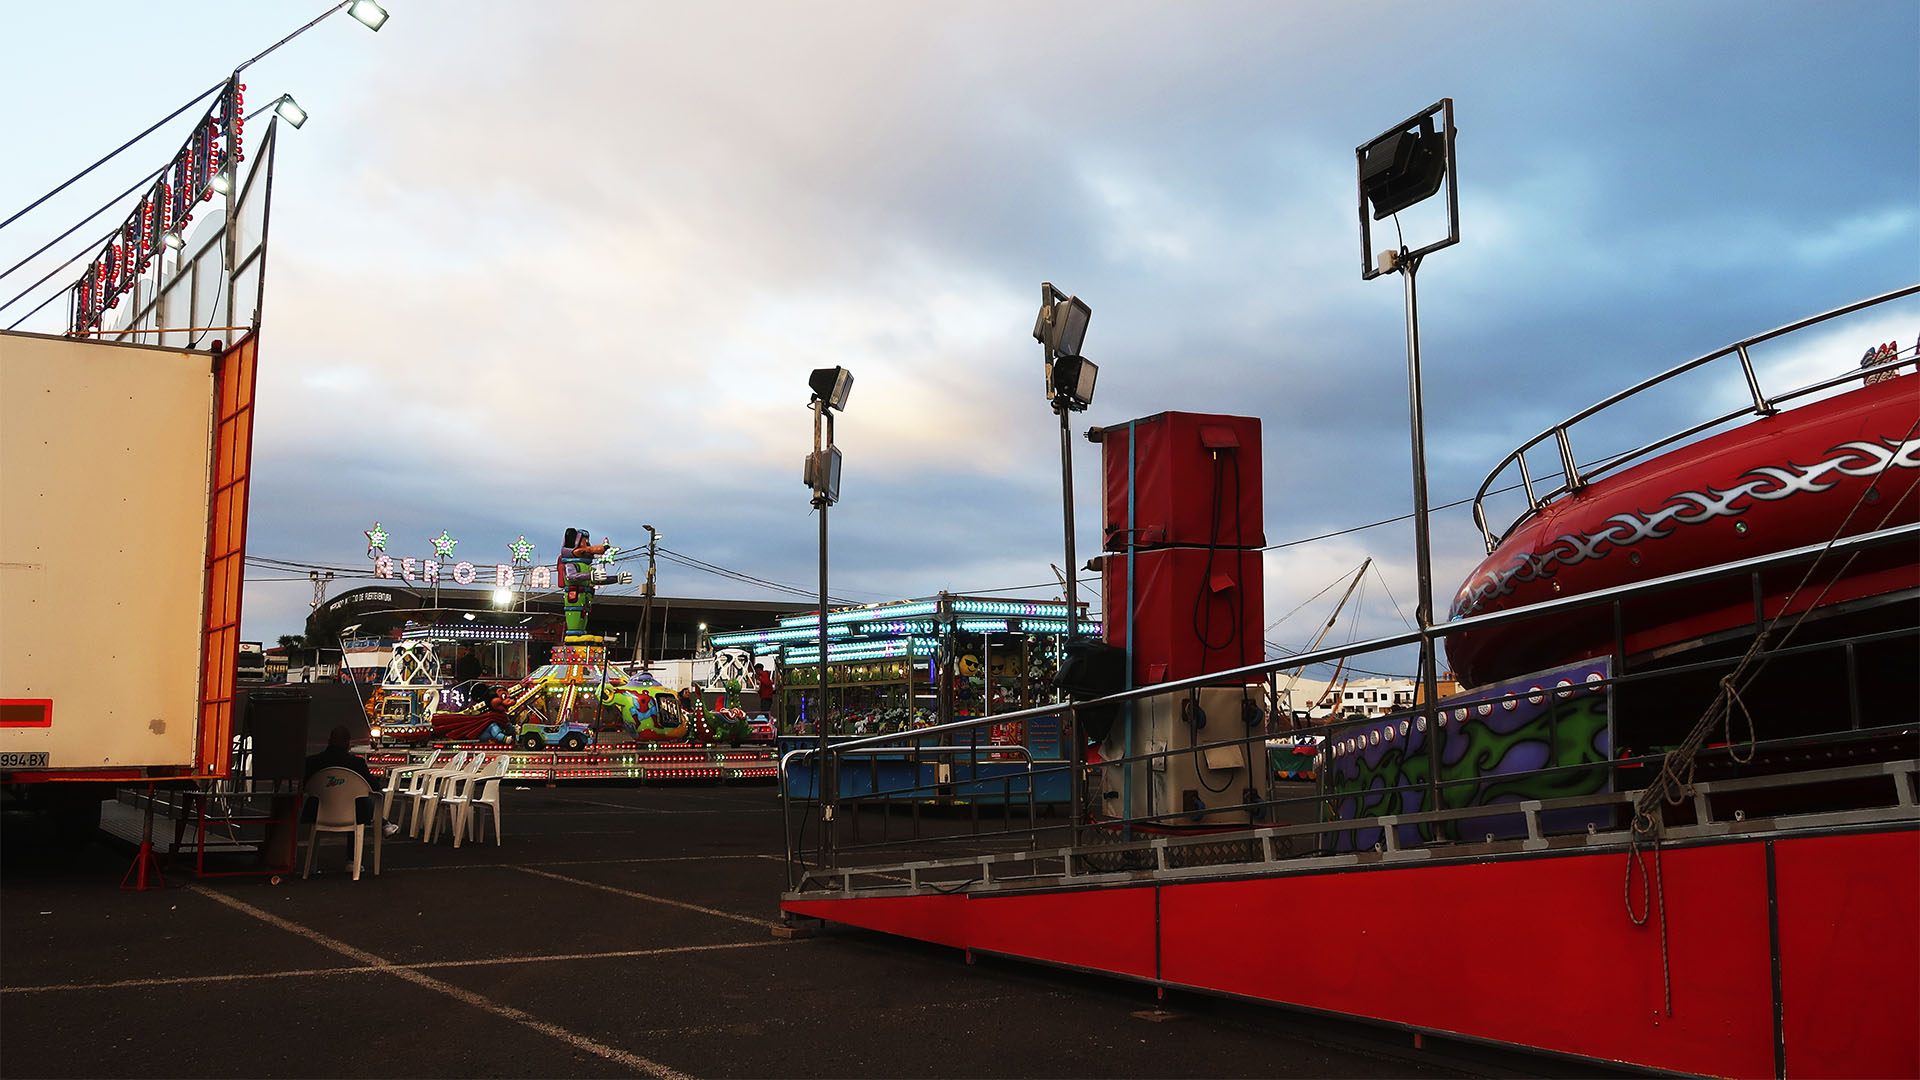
<point x="618" y="931"/>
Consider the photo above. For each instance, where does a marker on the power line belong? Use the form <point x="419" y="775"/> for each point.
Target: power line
<point x="82" y="253"/>
<point x="138" y="184"/>
<point x="198" y="98"/>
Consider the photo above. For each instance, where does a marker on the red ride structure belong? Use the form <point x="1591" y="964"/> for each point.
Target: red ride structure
<point x="1692" y="843"/>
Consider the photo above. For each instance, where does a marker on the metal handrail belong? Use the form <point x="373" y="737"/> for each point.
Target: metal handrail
<point x="1761" y="405"/>
<point x="1528" y="810"/>
<point x="910" y="743"/>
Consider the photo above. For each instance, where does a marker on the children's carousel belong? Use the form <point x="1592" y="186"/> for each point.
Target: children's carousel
<point x="576" y="716"/>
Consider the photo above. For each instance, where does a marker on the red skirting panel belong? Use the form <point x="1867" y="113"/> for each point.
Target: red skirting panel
<point x="939" y="919"/>
<point x="1850" y="954"/>
<point x="1537" y="952"/>
<point x="1101" y="930"/>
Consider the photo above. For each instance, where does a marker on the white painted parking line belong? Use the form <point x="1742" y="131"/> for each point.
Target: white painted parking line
<point x="479" y="1001"/>
<point x="361" y="969"/>
<point x="750" y="920"/>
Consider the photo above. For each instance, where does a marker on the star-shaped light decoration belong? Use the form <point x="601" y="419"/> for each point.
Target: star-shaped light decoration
<point x="443" y="545"/>
<point x="522" y="549"/>
<point x="606" y="557"/>
<point x="376" y="539"/>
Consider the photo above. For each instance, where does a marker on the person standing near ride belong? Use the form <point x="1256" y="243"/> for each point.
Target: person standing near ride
<point x="763" y="682"/>
<point x="576" y="574"/>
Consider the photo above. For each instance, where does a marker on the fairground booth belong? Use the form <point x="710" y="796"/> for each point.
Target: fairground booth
<point x="908" y="664"/>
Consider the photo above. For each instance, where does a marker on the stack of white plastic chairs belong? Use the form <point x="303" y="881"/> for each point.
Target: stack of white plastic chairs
<point x="403" y="780"/>
<point x="431" y="784"/>
<point x="477" y="787"/>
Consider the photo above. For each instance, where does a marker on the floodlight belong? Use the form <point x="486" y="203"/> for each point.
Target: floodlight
<point x="468" y="615"/>
<point x="1070" y="380"/>
<point x="1062" y="324"/>
<point x="172" y="239"/>
<point x="502" y="598"/>
<point x="370" y="15"/>
<point x="822" y="473"/>
<point x="831" y="385"/>
<point x="1402" y="168"/>
<point x="289" y="110"/>
<point x="222" y="182"/>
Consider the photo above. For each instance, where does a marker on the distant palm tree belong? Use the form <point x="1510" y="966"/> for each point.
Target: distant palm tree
<point x="293" y="641"/>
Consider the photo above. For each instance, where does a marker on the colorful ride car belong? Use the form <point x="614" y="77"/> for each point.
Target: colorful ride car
<point x="568" y="736"/>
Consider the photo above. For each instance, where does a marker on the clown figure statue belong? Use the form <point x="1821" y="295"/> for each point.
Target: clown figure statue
<point x="577" y="552"/>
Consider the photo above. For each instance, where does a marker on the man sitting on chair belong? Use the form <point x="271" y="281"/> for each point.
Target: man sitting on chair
<point x="338" y="756"/>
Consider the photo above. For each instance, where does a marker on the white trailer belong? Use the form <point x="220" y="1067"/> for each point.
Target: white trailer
<point x="123" y="510"/>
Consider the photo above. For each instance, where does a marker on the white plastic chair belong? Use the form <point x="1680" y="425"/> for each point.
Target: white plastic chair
<point x="400" y="780"/>
<point x="427" y="785"/>
<point x="488" y="795"/>
<point x="337" y="790"/>
<point x="449" y="785"/>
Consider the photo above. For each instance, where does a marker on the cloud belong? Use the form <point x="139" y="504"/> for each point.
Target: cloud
<point x="524" y="270"/>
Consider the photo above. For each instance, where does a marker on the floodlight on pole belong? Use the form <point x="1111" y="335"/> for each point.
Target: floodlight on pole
<point x="1403" y="166"/>
<point x="1062" y="324"/>
<point x="831" y="385"/>
<point x="289" y="110"/>
<point x="222" y="181"/>
<point x="367" y="13"/>
<point x="503" y="598"/>
<point x="172" y="239"/>
<point x="1071" y="381"/>
<point x="830" y="388"/>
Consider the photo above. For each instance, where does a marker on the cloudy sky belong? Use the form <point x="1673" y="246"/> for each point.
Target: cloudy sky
<point x="535" y="264"/>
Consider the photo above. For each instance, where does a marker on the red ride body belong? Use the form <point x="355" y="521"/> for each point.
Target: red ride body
<point x="1797" y="478"/>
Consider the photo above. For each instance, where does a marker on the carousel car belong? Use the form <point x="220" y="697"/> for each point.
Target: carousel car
<point x="567" y="736"/>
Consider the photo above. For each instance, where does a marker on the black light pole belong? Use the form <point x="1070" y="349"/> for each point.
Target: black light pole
<point x="1403" y="166"/>
<point x="646" y="591"/>
<point x="830" y="388"/>
<point x="1060" y="329"/>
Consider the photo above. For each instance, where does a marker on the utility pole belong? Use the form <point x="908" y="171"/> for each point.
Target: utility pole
<point x="646" y="590"/>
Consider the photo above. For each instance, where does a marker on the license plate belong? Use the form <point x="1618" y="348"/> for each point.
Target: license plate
<point x="34" y="760"/>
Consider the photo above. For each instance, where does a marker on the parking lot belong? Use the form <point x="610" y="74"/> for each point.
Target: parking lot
<point x="618" y="931"/>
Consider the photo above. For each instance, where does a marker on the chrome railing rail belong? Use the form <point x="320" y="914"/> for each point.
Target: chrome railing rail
<point x="1574" y="476"/>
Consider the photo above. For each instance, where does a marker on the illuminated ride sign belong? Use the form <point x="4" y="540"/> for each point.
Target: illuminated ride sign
<point x="211" y="152"/>
<point x="430" y="570"/>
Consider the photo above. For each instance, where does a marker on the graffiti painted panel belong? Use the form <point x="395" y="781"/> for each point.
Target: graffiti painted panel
<point x="1492" y="744"/>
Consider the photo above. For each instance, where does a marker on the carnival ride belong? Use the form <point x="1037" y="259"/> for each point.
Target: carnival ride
<point x="1691" y="667"/>
<point x="1839" y="467"/>
<point x="567" y="702"/>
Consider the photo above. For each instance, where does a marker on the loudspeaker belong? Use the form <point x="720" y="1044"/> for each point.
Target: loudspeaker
<point x="276" y="721"/>
<point x="1093" y="669"/>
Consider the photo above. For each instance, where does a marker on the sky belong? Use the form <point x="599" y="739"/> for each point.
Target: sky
<point x="533" y="265"/>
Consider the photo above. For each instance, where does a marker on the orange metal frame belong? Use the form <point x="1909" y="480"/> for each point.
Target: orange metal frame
<point x="232" y="468"/>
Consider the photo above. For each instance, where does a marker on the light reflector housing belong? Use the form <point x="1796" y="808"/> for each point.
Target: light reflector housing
<point x="370" y="15"/>
<point x="1071" y="380"/>
<point x="289" y="110"/>
<point x="831" y="385"/>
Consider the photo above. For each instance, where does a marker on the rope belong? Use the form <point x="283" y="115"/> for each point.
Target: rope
<point x="1680" y="760"/>
<point x="1674" y="783"/>
<point x="1647" y="898"/>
